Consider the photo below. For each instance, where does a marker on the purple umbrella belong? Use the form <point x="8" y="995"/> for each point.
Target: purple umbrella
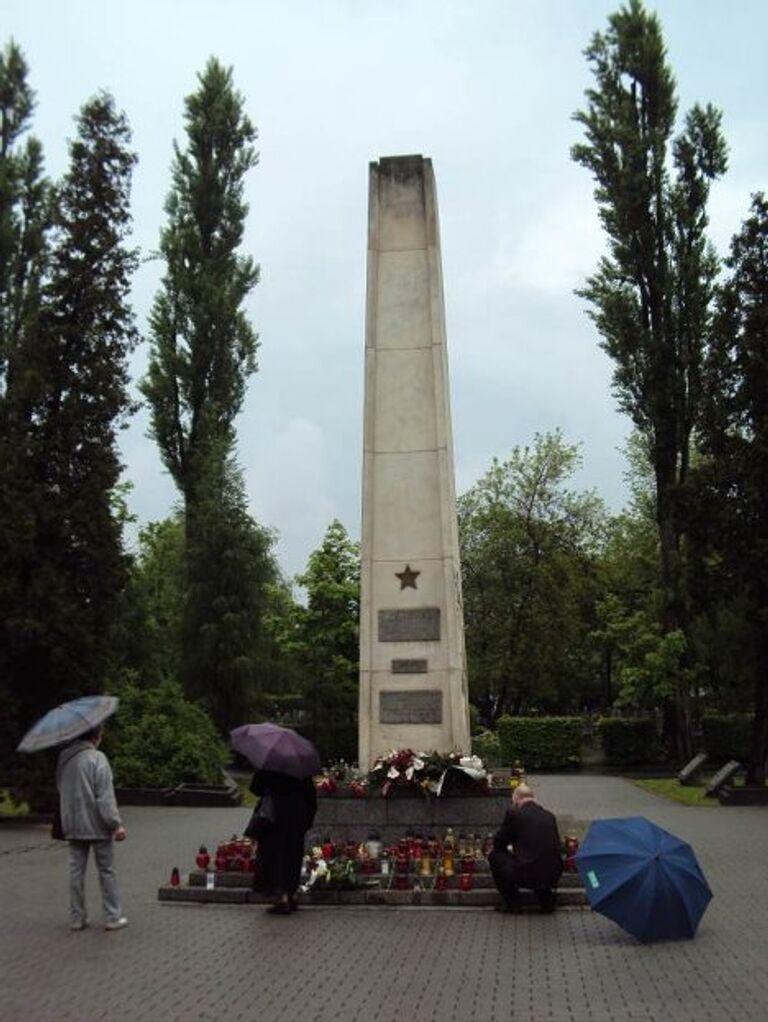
<point x="270" y="747"/>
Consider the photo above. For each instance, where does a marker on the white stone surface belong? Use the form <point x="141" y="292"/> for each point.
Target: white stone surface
<point x="403" y="381"/>
<point x="409" y="501"/>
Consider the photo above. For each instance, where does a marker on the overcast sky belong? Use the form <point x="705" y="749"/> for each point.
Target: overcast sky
<point x="484" y="88"/>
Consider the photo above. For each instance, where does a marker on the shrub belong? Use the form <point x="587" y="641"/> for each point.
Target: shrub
<point x="487" y="746"/>
<point x="626" y="740"/>
<point x="160" y="739"/>
<point x="727" y="736"/>
<point x="540" y="743"/>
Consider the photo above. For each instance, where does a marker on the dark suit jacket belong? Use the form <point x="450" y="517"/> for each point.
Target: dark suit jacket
<point x="536" y="858"/>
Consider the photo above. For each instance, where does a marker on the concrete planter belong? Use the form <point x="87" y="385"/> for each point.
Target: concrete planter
<point x="190" y="795"/>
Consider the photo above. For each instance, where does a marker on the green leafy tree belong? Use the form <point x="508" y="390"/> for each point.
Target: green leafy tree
<point x="148" y="632"/>
<point x="629" y="629"/>
<point x="651" y="296"/>
<point x="528" y="551"/>
<point x="327" y="642"/>
<point x="203" y="350"/>
<point x="63" y="569"/>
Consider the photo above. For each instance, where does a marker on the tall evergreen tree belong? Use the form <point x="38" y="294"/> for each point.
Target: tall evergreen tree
<point x="732" y="483"/>
<point x="25" y="209"/>
<point x="202" y="352"/>
<point x="651" y="295"/>
<point x="65" y="568"/>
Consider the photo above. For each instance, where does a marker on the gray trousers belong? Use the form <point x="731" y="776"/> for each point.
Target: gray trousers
<point x="103" y="852"/>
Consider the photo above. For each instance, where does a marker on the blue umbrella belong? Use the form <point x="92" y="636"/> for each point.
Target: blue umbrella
<point x="643" y="878"/>
<point x="67" y="722"/>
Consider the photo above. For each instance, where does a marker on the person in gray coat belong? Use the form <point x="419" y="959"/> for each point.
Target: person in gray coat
<point x="90" y="819"/>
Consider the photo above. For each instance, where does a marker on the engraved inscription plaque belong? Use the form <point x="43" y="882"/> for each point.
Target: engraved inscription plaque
<point x="402" y="707"/>
<point x="409" y="666"/>
<point x="418" y="624"/>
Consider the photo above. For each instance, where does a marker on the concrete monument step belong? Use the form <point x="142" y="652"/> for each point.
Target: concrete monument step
<point x="481" y="879"/>
<point x="568" y="897"/>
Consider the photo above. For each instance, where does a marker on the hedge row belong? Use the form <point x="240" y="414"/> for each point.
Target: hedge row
<point x="626" y="741"/>
<point x="540" y="743"/>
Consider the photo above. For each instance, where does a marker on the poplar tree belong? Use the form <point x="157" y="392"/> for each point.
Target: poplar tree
<point x="25" y="209"/>
<point x="202" y="352"/>
<point x="651" y="296"/>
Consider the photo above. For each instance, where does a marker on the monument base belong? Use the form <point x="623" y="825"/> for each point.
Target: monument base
<point x="236" y="889"/>
<point x="341" y="816"/>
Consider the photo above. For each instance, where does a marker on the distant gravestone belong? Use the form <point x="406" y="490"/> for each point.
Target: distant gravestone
<point x="722" y="777"/>
<point x="688" y="772"/>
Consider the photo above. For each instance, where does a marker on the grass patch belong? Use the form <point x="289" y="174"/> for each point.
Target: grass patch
<point x="10" y="808"/>
<point x="670" y="787"/>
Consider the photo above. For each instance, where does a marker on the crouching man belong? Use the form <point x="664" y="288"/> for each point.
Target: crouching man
<point x="526" y="853"/>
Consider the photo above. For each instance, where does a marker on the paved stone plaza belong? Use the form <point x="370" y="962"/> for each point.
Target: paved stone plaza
<point x="219" y="962"/>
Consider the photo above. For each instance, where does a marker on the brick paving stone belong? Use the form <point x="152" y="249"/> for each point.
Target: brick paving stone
<point x="204" y="963"/>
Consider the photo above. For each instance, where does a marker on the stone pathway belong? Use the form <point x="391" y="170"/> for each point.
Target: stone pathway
<point x="201" y="963"/>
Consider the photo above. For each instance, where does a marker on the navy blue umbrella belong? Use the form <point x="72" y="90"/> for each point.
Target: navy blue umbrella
<point x="643" y="878"/>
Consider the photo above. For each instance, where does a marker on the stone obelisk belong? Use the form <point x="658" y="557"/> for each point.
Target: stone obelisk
<point x="413" y="685"/>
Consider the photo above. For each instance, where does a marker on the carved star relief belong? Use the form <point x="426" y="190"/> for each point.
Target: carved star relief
<point x="407" y="577"/>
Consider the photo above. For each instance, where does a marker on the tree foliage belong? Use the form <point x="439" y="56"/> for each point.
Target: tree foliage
<point x="327" y="641"/>
<point x="160" y="739"/>
<point x="148" y="633"/>
<point x="528" y="548"/>
<point x="25" y="215"/>
<point x="730" y="490"/>
<point x="61" y="561"/>
<point x="203" y="348"/>
<point x="202" y="351"/>
<point x="229" y="569"/>
<point x="651" y="296"/>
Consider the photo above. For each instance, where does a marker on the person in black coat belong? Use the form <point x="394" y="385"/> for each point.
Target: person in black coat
<point x="526" y="852"/>
<point x="281" y="843"/>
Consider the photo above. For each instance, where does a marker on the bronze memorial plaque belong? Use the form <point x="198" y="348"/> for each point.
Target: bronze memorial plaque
<point x="403" y="707"/>
<point x="417" y="624"/>
<point x="409" y="666"/>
